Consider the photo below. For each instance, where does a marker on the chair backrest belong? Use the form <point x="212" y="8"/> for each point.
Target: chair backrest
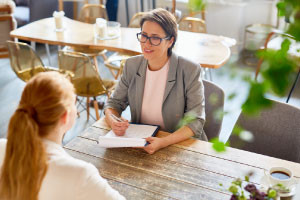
<point x="214" y="104"/>
<point x="6" y="9"/>
<point x="198" y="14"/>
<point x="7" y="24"/>
<point x="23" y="60"/>
<point x="135" y="20"/>
<point x="192" y="24"/>
<point x="276" y="132"/>
<point x="86" y="80"/>
<point x="90" y="12"/>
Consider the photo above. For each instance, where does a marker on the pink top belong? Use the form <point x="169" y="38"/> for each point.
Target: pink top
<point x="155" y="84"/>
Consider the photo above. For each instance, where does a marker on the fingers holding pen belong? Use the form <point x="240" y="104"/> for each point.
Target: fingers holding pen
<point x="119" y="125"/>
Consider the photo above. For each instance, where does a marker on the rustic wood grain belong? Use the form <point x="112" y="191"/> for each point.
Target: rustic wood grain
<point x="145" y="181"/>
<point x="158" y="164"/>
<point x="196" y="159"/>
<point x="242" y="157"/>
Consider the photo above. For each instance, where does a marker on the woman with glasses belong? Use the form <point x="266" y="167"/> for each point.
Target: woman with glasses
<point x="159" y="86"/>
<point x="32" y="161"/>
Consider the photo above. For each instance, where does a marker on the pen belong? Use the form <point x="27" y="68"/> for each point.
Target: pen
<point x="116" y="118"/>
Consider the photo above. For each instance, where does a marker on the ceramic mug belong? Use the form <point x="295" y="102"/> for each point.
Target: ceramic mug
<point x="280" y="175"/>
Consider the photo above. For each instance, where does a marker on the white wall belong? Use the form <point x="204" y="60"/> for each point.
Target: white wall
<point x="229" y="17"/>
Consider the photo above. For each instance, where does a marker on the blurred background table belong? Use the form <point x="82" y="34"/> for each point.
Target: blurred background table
<point x="208" y="50"/>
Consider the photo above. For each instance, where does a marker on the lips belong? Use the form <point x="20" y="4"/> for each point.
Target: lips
<point x="148" y="51"/>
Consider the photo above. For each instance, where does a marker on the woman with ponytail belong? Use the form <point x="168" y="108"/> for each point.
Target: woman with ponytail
<point x="32" y="161"/>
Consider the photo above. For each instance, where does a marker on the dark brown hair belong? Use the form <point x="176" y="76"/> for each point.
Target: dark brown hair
<point x="166" y="20"/>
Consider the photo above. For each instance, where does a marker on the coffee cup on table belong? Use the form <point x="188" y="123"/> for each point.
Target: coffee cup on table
<point x="58" y="18"/>
<point x="280" y="176"/>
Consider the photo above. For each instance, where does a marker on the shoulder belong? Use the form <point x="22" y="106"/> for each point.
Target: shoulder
<point x="134" y="62"/>
<point x="188" y="65"/>
<point x="71" y="166"/>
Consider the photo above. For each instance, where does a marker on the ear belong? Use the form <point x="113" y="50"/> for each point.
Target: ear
<point x="65" y="117"/>
<point x="171" y="41"/>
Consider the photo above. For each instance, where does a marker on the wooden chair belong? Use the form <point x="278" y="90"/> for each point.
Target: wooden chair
<point x="75" y="5"/>
<point x="7" y="24"/>
<point x="276" y="132"/>
<point x="275" y="44"/>
<point x="192" y="24"/>
<point x="197" y="25"/>
<point x="214" y="103"/>
<point x="135" y="20"/>
<point x="25" y="62"/>
<point x="86" y="79"/>
<point x="90" y="12"/>
<point x="115" y="63"/>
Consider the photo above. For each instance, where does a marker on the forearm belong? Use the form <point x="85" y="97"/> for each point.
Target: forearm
<point x="180" y="135"/>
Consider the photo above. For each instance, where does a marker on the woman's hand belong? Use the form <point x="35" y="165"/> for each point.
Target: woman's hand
<point x="155" y="144"/>
<point x="119" y="127"/>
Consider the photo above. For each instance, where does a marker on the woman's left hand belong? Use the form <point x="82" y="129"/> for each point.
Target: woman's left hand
<point x="155" y="144"/>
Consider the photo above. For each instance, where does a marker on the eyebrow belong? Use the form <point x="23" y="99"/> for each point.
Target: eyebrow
<point x="151" y="35"/>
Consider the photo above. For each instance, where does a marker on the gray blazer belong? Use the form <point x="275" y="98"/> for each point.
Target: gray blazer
<point x="184" y="93"/>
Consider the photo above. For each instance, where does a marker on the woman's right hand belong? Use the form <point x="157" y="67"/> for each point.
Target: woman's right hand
<point x="118" y="127"/>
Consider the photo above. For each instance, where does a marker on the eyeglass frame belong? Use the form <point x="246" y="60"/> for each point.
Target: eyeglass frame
<point x="149" y="38"/>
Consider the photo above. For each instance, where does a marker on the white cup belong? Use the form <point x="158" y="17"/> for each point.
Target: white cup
<point x="58" y="17"/>
<point x="280" y="175"/>
<point x="100" y="28"/>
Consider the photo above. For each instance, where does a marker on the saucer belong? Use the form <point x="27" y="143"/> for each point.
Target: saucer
<point x="264" y="185"/>
<point x="108" y="37"/>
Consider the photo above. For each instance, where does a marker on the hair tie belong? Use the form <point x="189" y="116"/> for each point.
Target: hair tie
<point x="28" y="109"/>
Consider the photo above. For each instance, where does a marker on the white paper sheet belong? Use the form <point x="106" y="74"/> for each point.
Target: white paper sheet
<point x="134" y="137"/>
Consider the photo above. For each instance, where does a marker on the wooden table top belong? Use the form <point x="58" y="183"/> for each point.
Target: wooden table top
<point x="208" y="50"/>
<point x="187" y="170"/>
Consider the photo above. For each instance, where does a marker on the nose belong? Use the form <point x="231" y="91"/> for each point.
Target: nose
<point x="148" y="42"/>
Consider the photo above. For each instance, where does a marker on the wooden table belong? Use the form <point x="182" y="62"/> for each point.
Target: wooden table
<point x="208" y="50"/>
<point x="188" y="170"/>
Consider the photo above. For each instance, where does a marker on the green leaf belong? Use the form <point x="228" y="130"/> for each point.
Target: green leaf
<point x="218" y="146"/>
<point x="187" y="119"/>
<point x="247" y="178"/>
<point x="237" y="182"/>
<point x="197" y="5"/>
<point x="272" y="193"/>
<point x="281" y="8"/>
<point x="233" y="189"/>
<point x="256" y="99"/>
<point x="237" y="130"/>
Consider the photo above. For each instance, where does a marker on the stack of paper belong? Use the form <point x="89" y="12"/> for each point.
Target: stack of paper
<point x="134" y="136"/>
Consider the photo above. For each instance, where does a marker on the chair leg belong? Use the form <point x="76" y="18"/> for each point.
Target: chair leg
<point x="88" y="108"/>
<point x="48" y="53"/>
<point x="293" y="87"/>
<point x="96" y="108"/>
<point x="96" y="63"/>
<point x="210" y="74"/>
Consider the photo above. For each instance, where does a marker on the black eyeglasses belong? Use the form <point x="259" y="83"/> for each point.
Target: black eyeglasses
<point x="155" y="41"/>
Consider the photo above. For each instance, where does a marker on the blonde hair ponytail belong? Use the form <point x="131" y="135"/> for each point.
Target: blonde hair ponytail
<point x="25" y="163"/>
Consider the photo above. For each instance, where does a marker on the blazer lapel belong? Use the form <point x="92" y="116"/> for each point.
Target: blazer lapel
<point x="140" y="84"/>
<point x="171" y="75"/>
